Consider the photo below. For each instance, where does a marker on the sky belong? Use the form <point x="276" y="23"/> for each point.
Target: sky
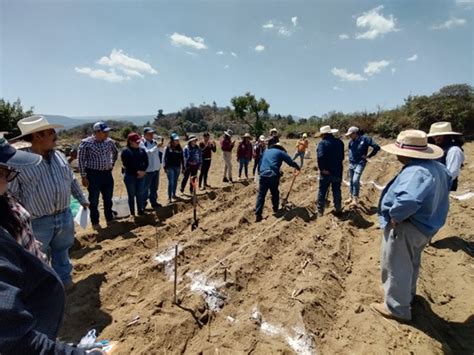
<point x="104" y="57"/>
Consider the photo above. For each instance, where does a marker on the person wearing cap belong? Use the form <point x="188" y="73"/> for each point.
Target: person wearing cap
<point x="274" y="139"/>
<point x="192" y="156"/>
<point x="358" y="154"/>
<point x="207" y="148"/>
<point x="244" y="154"/>
<point x="412" y="208"/>
<point x="135" y="163"/>
<point x="270" y="165"/>
<point x="173" y="163"/>
<point x="227" y="145"/>
<point x="301" y="147"/>
<point x="258" y="149"/>
<point x="97" y="155"/>
<point x="451" y="142"/>
<point x="152" y="176"/>
<point x="32" y="298"/>
<point x="45" y="192"/>
<point x="330" y="155"/>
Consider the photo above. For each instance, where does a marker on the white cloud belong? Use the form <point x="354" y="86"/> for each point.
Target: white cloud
<point x="344" y="75"/>
<point x="101" y="74"/>
<point x="119" y="60"/>
<point x="132" y="72"/>
<point x="226" y="66"/>
<point x="343" y="36"/>
<point x="375" y="67"/>
<point x="294" y="20"/>
<point x="192" y="54"/>
<point x="465" y="2"/>
<point x="233" y="54"/>
<point x="220" y="53"/>
<point x="259" y="48"/>
<point x="179" y="40"/>
<point x="375" y="23"/>
<point x="394" y="70"/>
<point x="452" y="22"/>
<point x="280" y="28"/>
<point x="413" y="58"/>
<point x="268" y="26"/>
<point x="336" y="88"/>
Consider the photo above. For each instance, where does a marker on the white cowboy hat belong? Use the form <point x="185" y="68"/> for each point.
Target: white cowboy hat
<point x="305" y="135"/>
<point x="34" y="124"/>
<point x="261" y="138"/>
<point x="228" y="133"/>
<point x="247" y="135"/>
<point x="414" y="144"/>
<point x="442" y="129"/>
<point x="327" y="130"/>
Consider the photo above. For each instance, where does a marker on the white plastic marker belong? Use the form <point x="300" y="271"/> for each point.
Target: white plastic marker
<point x="463" y="197"/>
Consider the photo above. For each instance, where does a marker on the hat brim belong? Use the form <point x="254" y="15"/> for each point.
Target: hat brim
<point x="36" y="130"/>
<point x="349" y="133"/>
<point x="192" y="140"/>
<point x="21" y="160"/>
<point x="431" y="152"/>
<point x="444" y="134"/>
<point x="333" y="130"/>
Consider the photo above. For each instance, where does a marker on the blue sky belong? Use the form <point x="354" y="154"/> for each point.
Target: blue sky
<point x="304" y="57"/>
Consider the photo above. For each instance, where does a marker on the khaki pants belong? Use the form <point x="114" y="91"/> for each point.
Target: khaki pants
<point x="227" y="165"/>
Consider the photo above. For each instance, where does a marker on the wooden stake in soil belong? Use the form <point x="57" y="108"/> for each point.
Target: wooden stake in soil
<point x="175" y="273"/>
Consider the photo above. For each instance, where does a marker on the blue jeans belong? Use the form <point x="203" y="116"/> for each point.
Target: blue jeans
<point x="256" y="166"/>
<point x="56" y="233"/>
<point x="355" y="172"/>
<point x="173" y="175"/>
<point x="135" y="187"/>
<point x="268" y="183"/>
<point x="324" y="182"/>
<point x="150" y="188"/>
<point x="244" y="164"/>
<point x="301" y="156"/>
<point x="100" y="182"/>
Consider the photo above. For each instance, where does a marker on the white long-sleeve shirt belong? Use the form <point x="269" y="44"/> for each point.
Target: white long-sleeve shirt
<point x="153" y="152"/>
<point x="454" y="161"/>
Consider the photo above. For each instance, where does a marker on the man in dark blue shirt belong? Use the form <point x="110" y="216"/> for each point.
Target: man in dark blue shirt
<point x="330" y="153"/>
<point x="269" y="171"/>
<point x="358" y="155"/>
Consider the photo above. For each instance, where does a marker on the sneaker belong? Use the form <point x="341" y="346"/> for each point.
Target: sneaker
<point x="258" y="218"/>
<point x="225" y="180"/>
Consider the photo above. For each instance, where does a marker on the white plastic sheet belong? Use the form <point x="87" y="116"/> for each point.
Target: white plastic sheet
<point x="120" y="206"/>
<point x="82" y="217"/>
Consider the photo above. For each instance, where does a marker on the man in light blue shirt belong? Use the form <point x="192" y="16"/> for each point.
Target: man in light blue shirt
<point x="412" y="208"/>
<point x="152" y="177"/>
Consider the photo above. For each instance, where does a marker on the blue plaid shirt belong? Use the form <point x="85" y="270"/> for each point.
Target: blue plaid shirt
<point x="96" y="155"/>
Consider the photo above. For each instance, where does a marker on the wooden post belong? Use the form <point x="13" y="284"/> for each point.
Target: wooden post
<point x="175" y="273"/>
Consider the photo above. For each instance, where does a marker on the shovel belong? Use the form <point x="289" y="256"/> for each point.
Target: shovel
<point x="285" y="200"/>
<point x="195" y="224"/>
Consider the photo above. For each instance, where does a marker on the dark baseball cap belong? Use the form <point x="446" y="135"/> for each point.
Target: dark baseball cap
<point x="101" y="126"/>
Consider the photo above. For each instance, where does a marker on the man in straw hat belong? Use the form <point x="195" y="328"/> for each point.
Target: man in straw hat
<point x="45" y="191"/>
<point x="227" y="145"/>
<point x="97" y="156"/>
<point x="412" y="208"/>
<point x="451" y="142"/>
<point x="330" y="153"/>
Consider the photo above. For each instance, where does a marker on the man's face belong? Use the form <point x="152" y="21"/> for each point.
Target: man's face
<point x="438" y="140"/>
<point x="353" y="136"/>
<point x="206" y="139"/>
<point x="45" y="139"/>
<point x="149" y="136"/>
<point x="101" y="136"/>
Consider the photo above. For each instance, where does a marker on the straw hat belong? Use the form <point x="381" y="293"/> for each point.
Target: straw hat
<point x="247" y="135"/>
<point x="305" y="135"/>
<point x="327" y="130"/>
<point x="442" y="129"/>
<point x="192" y="138"/>
<point x="414" y="144"/>
<point x="34" y="124"/>
<point x="261" y="138"/>
<point x="228" y="133"/>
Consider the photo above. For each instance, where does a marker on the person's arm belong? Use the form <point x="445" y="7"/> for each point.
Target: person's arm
<point x="375" y="147"/>
<point x="320" y="152"/>
<point x="454" y="161"/>
<point x="125" y="157"/>
<point x="287" y="159"/>
<point x="17" y="333"/>
<point x="114" y="153"/>
<point x="412" y="188"/>
<point x="145" y="162"/>
<point x="82" y="158"/>
<point x="213" y="147"/>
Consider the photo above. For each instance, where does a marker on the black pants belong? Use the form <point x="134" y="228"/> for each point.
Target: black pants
<point x="189" y="171"/>
<point x="100" y="182"/>
<point x="206" y="165"/>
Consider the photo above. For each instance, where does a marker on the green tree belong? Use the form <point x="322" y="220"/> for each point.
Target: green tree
<point x="252" y="112"/>
<point x="10" y="114"/>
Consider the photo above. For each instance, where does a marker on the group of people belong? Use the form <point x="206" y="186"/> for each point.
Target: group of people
<point x="36" y="224"/>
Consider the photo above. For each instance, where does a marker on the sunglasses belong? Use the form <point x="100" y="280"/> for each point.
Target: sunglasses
<point x="8" y="174"/>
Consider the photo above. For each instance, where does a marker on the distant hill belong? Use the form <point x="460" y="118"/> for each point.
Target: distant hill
<point x="139" y="120"/>
<point x="67" y="122"/>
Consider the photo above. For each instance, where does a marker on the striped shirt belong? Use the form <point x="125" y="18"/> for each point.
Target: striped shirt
<point x="96" y="155"/>
<point x="46" y="189"/>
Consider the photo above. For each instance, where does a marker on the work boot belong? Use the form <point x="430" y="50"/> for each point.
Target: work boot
<point x="380" y="309"/>
<point x="258" y="218"/>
